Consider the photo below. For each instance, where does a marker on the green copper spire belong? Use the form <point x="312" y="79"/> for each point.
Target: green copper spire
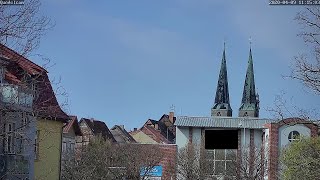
<point x="221" y="105"/>
<point x="250" y="101"/>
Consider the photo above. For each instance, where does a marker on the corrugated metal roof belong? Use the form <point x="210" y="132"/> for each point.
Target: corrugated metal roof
<point x="222" y="122"/>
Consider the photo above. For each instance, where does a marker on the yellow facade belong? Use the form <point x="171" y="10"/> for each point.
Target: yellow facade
<point x="47" y="163"/>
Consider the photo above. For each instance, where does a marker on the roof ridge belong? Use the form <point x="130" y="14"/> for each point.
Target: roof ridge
<point x="14" y="53"/>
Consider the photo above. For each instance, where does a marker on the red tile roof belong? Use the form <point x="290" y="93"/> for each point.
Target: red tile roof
<point x="73" y="123"/>
<point x="46" y="104"/>
<point x="23" y="62"/>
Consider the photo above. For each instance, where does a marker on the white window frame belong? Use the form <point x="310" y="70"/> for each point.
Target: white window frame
<point x="224" y="160"/>
<point x="294" y="137"/>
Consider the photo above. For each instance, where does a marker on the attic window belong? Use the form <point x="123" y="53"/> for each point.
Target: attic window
<point x="294" y="136"/>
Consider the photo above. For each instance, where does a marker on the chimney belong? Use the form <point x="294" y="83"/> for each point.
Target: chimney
<point x="171" y="115"/>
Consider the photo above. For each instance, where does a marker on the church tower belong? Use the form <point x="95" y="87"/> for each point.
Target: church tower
<point x="221" y="105"/>
<point x="250" y="100"/>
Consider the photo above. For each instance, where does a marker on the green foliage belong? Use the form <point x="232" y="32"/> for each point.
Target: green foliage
<point x="301" y="160"/>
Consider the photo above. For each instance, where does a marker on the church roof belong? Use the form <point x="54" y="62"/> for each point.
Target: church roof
<point x="222" y="93"/>
<point x="249" y="92"/>
<point x="222" y="122"/>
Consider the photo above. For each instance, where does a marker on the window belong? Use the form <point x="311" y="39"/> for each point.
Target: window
<point x="9" y="138"/>
<point x="221" y="139"/>
<point x="245" y="114"/>
<point x="222" y="161"/>
<point x="294" y="136"/>
<point x="34" y="89"/>
<point x="218" y="114"/>
<point x="21" y="142"/>
<point x="64" y="147"/>
<point x="36" y="145"/>
<point x="1" y="74"/>
<point x="24" y="120"/>
<point x="72" y="147"/>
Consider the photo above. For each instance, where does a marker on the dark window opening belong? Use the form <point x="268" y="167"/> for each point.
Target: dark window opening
<point x="294" y="136"/>
<point x="221" y="139"/>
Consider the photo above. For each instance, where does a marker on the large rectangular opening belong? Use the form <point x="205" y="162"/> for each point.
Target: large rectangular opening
<point x="221" y="139"/>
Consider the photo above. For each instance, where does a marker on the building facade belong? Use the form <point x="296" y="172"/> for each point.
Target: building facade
<point x="17" y="124"/>
<point x="32" y="94"/>
<point x="233" y="143"/>
<point x="71" y="132"/>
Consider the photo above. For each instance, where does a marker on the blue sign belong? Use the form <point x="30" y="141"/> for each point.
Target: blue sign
<point x="155" y="171"/>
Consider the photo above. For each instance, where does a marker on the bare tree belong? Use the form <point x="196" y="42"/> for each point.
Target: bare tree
<point x="307" y="68"/>
<point x="283" y="108"/>
<point x="192" y="162"/>
<point x="251" y="165"/>
<point x="196" y="162"/>
<point x="21" y="27"/>
<point x="104" y="160"/>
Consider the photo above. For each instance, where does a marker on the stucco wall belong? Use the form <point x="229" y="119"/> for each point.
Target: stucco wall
<point x="47" y="166"/>
<point x="286" y="129"/>
<point x="182" y="135"/>
<point x="245" y="137"/>
<point x="258" y="138"/>
<point x="196" y="135"/>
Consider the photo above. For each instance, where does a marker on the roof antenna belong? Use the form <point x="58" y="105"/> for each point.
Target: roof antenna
<point x="172" y="108"/>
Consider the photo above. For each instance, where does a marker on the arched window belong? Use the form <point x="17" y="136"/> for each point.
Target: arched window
<point x="245" y="114"/>
<point x="294" y="136"/>
<point x="218" y="114"/>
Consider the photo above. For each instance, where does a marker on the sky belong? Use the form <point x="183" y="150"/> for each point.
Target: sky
<point x="123" y="62"/>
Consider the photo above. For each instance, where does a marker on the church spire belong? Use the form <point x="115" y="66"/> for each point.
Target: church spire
<point x="250" y="102"/>
<point x="221" y="105"/>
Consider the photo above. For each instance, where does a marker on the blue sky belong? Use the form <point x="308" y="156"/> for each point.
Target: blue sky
<point x="126" y="61"/>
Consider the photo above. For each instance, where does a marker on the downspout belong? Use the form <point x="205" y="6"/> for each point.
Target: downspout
<point x="61" y="136"/>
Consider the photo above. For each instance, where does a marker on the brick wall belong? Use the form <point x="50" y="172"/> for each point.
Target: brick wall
<point x="273" y="148"/>
<point x="168" y="161"/>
